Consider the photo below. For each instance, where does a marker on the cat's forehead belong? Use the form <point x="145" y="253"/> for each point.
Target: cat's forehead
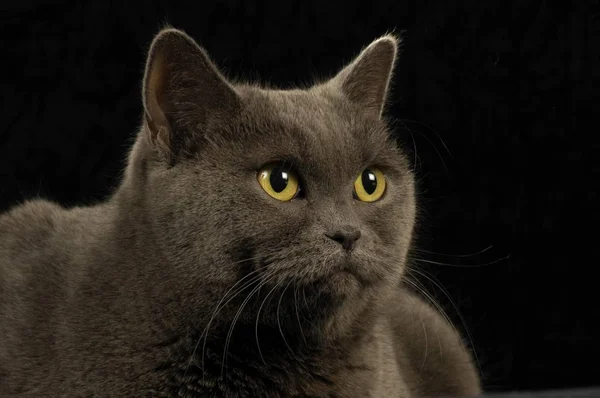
<point x="313" y="124"/>
<point x="312" y="109"/>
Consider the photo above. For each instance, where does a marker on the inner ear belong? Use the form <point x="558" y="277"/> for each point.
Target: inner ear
<point x="366" y="79"/>
<point x="157" y="106"/>
<point x="184" y="93"/>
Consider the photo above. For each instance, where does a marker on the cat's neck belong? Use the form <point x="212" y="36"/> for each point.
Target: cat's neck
<point x="271" y="355"/>
<point x="287" y="328"/>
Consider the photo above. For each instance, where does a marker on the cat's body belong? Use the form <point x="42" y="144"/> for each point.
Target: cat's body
<point x="138" y="295"/>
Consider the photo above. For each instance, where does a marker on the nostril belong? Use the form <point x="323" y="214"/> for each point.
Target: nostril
<point x="346" y="238"/>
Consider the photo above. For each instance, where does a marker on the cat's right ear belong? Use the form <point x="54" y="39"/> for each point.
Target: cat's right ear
<point x="365" y="80"/>
<point x="184" y="94"/>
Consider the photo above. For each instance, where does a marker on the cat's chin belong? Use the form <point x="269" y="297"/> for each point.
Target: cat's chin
<point x="343" y="283"/>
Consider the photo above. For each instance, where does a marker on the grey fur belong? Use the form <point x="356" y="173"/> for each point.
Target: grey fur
<point x="116" y="299"/>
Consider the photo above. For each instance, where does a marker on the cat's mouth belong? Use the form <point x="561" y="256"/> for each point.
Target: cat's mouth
<point x="354" y="266"/>
<point x="344" y="274"/>
<point x="333" y="272"/>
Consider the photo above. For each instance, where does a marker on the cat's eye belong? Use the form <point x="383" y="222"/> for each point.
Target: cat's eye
<point x="279" y="182"/>
<point x="369" y="186"/>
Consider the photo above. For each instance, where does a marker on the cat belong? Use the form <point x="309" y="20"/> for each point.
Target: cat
<point x="255" y="247"/>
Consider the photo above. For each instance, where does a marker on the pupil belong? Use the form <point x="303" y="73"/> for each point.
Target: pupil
<point x="369" y="181"/>
<point x="279" y="179"/>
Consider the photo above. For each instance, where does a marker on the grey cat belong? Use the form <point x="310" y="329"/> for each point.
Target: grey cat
<point x="255" y="248"/>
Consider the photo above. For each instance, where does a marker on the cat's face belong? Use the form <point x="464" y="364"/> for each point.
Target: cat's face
<point x="298" y="187"/>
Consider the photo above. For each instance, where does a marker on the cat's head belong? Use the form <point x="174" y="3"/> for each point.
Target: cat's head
<point x="301" y="187"/>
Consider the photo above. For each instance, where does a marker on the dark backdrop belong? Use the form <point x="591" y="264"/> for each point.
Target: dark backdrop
<point x="494" y="100"/>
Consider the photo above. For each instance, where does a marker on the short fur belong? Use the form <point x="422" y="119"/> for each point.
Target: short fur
<point x="192" y="281"/>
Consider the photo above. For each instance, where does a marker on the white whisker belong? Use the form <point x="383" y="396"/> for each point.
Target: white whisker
<point x="258" y="319"/>
<point x="237" y="315"/>
<point x="298" y="313"/>
<point x="455" y="255"/>
<point x="460" y="265"/>
<point x="219" y="307"/>
<point x="447" y="294"/>
<point x="278" y="323"/>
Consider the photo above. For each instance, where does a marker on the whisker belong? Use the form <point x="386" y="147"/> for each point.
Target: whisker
<point x="447" y="294"/>
<point x="298" y="313"/>
<point x="279" y="323"/>
<point x="456" y="255"/>
<point x="421" y="289"/>
<point x="426" y="341"/>
<point x="219" y="307"/>
<point x="212" y="316"/>
<point x="432" y="130"/>
<point x="237" y="315"/>
<point x="433" y="145"/>
<point x="258" y="319"/>
<point x="304" y="296"/>
<point x="461" y="265"/>
<point x="412" y="136"/>
<point x="308" y="316"/>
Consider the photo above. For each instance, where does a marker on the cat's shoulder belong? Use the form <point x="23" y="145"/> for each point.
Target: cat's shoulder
<point x="429" y="347"/>
<point x="406" y="304"/>
<point x="412" y="315"/>
<point x="28" y="233"/>
<point x="33" y="219"/>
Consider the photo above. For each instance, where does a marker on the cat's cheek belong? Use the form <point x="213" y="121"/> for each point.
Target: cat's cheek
<point x="279" y="222"/>
<point x="379" y="226"/>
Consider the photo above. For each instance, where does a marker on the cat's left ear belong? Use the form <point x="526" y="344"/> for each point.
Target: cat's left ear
<point x="366" y="79"/>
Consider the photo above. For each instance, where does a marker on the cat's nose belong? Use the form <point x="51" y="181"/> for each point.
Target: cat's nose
<point x="346" y="236"/>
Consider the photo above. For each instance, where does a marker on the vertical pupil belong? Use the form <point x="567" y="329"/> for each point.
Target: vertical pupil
<point x="279" y="179"/>
<point x="369" y="181"/>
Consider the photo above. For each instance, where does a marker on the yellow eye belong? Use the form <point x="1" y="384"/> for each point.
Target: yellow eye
<point x="279" y="182"/>
<point x="370" y="185"/>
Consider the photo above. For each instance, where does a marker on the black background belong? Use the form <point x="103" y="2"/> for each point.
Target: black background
<point x="500" y="100"/>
